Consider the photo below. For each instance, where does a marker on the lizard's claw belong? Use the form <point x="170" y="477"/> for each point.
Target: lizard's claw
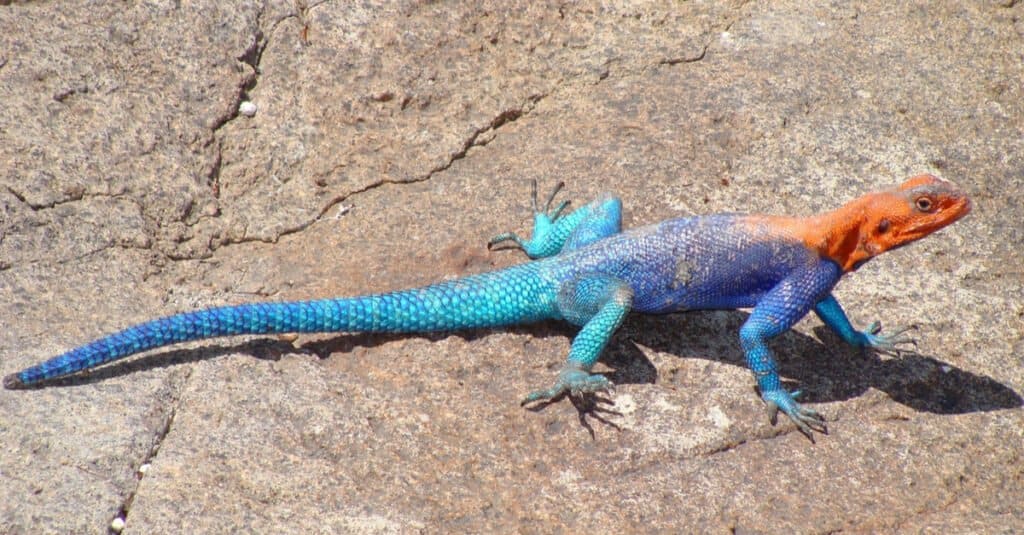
<point x="552" y="215"/>
<point x="557" y="212"/>
<point x="806" y="420"/>
<point x="504" y="237"/>
<point x="890" y="343"/>
<point x="574" y="382"/>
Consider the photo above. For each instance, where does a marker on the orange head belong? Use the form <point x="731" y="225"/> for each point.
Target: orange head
<point x="884" y="220"/>
<point x="925" y="204"/>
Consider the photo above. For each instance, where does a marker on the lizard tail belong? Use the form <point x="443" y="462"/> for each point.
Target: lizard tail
<point x="495" y="299"/>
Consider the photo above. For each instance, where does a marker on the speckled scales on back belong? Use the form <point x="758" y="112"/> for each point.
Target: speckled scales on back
<point x="710" y="262"/>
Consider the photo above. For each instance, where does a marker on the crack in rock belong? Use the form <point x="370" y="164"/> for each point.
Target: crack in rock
<point x="475" y="139"/>
<point x="686" y="59"/>
<point x="75" y="195"/>
<point x="174" y="389"/>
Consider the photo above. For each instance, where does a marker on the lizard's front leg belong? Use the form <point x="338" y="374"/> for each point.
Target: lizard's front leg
<point x="830" y="312"/>
<point x="599" y="303"/>
<point x="775" y="313"/>
<point x="554" y="231"/>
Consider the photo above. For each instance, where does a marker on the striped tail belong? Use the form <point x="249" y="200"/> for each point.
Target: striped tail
<point x="507" y="297"/>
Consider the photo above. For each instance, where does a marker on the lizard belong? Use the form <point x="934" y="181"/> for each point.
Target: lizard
<point x="586" y="270"/>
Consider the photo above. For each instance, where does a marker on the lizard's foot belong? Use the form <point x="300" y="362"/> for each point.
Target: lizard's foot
<point x="807" y="420"/>
<point x="572" y="381"/>
<point x="544" y="242"/>
<point x="890" y="343"/>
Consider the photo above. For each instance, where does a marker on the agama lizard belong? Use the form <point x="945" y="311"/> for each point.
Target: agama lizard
<point x="587" y="272"/>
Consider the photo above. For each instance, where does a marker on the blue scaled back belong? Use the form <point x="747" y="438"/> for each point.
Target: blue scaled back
<point x="694" y="263"/>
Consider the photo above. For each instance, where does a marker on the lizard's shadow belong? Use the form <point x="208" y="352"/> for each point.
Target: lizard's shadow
<point x="825" y="368"/>
<point x="262" y="348"/>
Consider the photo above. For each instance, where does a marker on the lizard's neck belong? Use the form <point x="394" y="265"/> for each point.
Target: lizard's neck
<point x="843" y="234"/>
<point x="840" y="235"/>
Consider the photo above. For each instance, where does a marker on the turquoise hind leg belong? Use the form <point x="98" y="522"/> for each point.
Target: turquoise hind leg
<point x="555" y="231"/>
<point x="599" y="303"/>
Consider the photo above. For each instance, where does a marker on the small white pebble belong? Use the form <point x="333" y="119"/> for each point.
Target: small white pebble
<point x="117" y="525"/>
<point x="342" y="210"/>
<point x="247" y="108"/>
<point x="143" y="469"/>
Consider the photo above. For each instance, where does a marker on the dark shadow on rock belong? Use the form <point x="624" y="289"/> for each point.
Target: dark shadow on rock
<point x="825" y="368"/>
<point x="927" y="384"/>
<point x="262" y="348"/>
<point x="346" y="342"/>
<point x="629" y="364"/>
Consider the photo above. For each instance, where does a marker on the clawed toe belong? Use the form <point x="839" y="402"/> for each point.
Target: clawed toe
<point x="809" y="421"/>
<point x="547" y="394"/>
<point x="889" y="344"/>
<point x="506" y="237"/>
<point x="557" y="212"/>
<point x="547" y="204"/>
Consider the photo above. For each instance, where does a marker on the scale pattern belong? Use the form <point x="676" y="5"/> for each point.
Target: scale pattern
<point x="515" y="296"/>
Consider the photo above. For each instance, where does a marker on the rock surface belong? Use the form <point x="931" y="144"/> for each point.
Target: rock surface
<point x="386" y="143"/>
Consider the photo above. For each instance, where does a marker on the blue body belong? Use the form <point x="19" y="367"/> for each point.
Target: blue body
<point x="694" y="263"/>
<point x="585" y="271"/>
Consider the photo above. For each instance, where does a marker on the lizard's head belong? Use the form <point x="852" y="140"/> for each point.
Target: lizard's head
<point x="893" y="218"/>
<point x="915" y="209"/>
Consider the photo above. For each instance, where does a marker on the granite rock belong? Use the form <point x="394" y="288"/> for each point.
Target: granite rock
<point x="386" y="143"/>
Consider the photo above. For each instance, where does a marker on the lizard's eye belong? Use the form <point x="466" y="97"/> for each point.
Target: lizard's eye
<point x="923" y="204"/>
<point x="883" y="226"/>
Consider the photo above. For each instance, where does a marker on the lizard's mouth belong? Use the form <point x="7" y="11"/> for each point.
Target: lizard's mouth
<point x="958" y="207"/>
<point x="965" y="207"/>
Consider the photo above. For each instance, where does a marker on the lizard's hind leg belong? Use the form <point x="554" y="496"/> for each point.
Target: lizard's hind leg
<point x="555" y="231"/>
<point x="599" y="303"/>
